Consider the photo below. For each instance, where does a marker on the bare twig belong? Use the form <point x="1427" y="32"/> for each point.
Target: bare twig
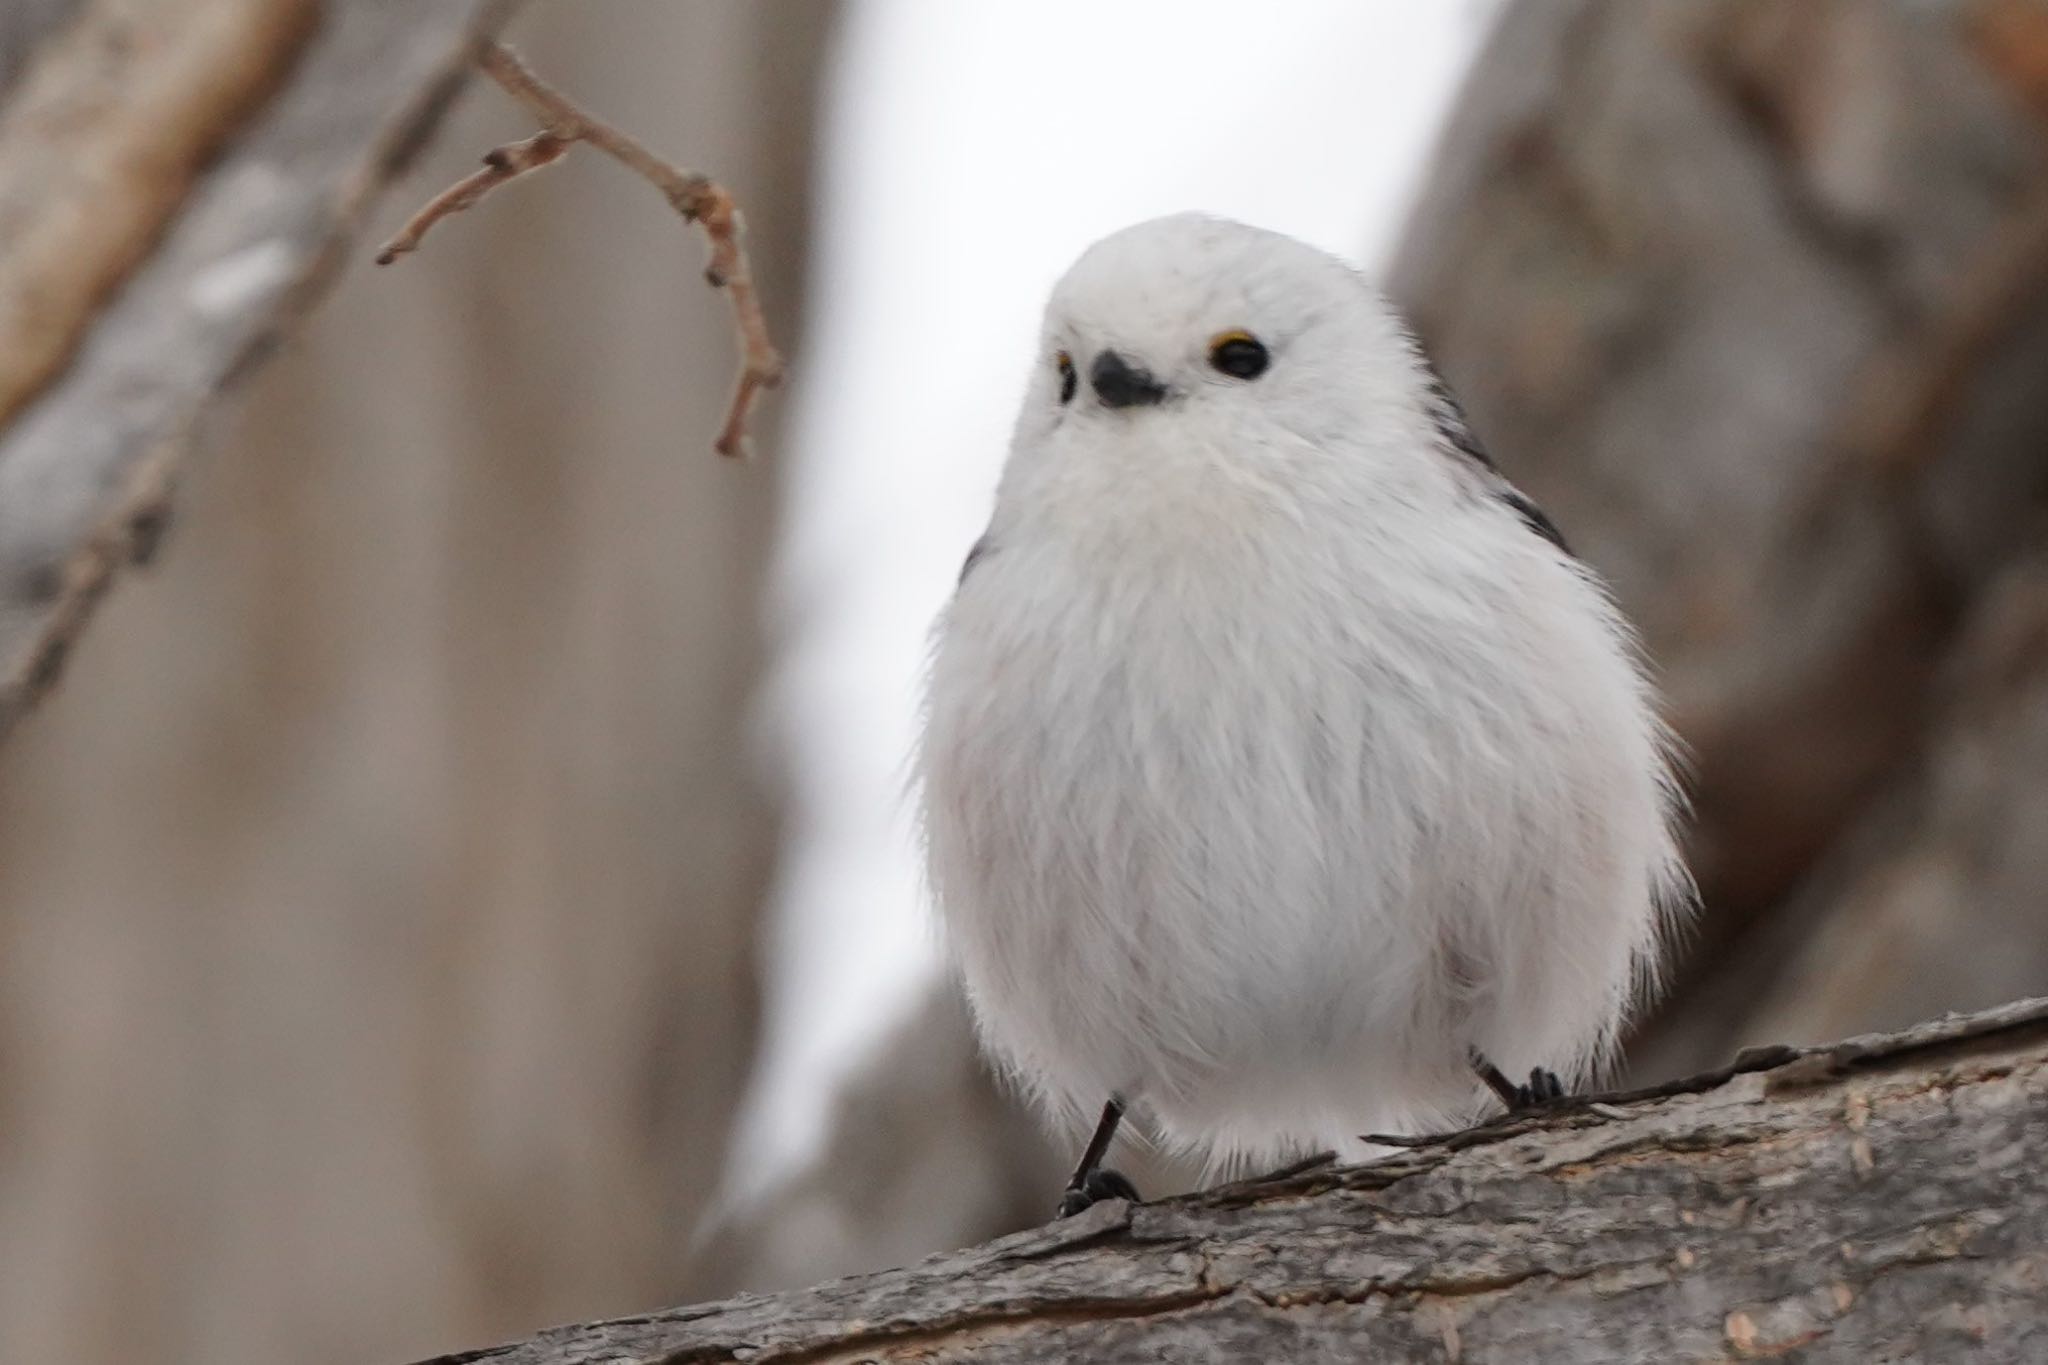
<point x="500" y="165"/>
<point x="697" y="197"/>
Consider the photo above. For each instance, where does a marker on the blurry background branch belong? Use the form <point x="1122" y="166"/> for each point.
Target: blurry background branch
<point x="379" y="894"/>
<point x="1873" y="1200"/>
<point x="99" y="146"/>
<point x="700" y="199"/>
<point x="175" y="180"/>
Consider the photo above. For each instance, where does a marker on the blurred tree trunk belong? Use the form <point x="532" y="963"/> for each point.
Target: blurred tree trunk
<point x="1749" y="296"/>
<point x="1875" y="1200"/>
<point x="1935" y="893"/>
<point x="378" y="890"/>
<point x="24" y="24"/>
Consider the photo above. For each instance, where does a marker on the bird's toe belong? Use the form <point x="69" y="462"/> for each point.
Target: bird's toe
<point x="1093" y="1188"/>
<point x="1543" y="1088"/>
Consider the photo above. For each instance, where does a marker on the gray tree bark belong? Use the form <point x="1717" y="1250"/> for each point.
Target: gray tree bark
<point x="1878" y="1199"/>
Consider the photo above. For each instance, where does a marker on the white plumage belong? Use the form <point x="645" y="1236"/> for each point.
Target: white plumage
<point x="1276" y="758"/>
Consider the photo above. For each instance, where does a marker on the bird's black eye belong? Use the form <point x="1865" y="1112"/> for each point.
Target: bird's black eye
<point x="1069" y="380"/>
<point x="1239" y="355"/>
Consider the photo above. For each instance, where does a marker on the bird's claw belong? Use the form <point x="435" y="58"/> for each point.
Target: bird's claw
<point x="1542" y="1090"/>
<point x="1091" y="1189"/>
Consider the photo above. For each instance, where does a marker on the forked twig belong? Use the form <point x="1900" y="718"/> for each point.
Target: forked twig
<point x="697" y="197"/>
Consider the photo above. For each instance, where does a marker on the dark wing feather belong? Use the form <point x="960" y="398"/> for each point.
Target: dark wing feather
<point x="1533" y="517"/>
<point x="1461" y="444"/>
<point x="974" y="554"/>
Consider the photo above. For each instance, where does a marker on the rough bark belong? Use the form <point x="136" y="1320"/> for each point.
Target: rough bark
<point x="1877" y="1199"/>
<point x="206" y="159"/>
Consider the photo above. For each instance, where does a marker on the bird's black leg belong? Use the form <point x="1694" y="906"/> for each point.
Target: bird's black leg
<point x="1092" y="1181"/>
<point x="1543" y="1088"/>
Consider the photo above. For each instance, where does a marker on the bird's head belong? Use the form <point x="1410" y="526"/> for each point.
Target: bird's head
<point x="1213" y="326"/>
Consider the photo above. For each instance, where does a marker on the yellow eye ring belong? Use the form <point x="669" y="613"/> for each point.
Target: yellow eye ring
<point x="1239" y="354"/>
<point x="1070" y="381"/>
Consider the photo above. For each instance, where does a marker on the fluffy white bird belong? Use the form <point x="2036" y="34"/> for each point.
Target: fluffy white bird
<point x="1284" y="775"/>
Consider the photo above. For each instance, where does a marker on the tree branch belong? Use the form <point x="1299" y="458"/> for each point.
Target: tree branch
<point x="213" y="263"/>
<point x="697" y="197"/>
<point x="100" y="147"/>
<point x="1879" y="1198"/>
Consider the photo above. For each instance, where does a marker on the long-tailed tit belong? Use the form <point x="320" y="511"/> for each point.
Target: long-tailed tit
<point x="1284" y="775"/>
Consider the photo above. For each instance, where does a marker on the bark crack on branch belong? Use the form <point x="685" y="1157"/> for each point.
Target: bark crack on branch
<point x="859" y="1345"/>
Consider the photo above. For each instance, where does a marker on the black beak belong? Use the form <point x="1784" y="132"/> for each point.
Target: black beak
<point x="1120" y="384"/>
